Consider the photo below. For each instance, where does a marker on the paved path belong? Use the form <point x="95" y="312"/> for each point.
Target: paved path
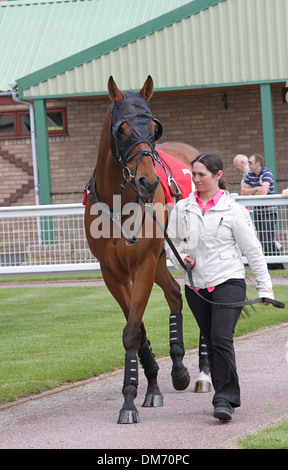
<point x="84" y="416"/>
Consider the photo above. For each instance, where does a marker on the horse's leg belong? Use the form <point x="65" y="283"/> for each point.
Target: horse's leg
<point x="122" y="291"/>
<point x="129" y="414"/>
<point x="172" y="292"/>
<point x="143" y="280"/>
<point x="203" y="383"/>
<point x="153" y="395"/>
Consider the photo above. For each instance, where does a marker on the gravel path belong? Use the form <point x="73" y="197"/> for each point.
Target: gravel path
<point x="84" y="415"/>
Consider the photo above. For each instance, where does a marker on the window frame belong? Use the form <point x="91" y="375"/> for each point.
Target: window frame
<point x="18" y="134"/>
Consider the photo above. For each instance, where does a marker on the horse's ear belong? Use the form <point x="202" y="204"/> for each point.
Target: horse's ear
<point x="147" y="89"/>
<point x="114" y="92"/>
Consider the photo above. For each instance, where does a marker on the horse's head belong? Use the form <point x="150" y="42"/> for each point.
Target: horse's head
<point x="133" y="132"/>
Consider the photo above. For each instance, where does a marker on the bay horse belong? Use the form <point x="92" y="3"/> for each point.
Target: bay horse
<point x="130" y="264"/>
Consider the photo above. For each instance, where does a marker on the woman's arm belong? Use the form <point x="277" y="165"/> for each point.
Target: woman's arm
<point x="250" y="247"/>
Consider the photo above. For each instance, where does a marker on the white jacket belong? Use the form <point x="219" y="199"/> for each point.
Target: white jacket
<point x="216" y="241"/>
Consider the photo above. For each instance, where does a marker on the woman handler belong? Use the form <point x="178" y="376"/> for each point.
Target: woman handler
<point x="209" y="230"/>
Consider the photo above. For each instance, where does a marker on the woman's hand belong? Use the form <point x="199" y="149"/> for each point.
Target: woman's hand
<point x="192" y="261"/>
<point x="265" y="303"/>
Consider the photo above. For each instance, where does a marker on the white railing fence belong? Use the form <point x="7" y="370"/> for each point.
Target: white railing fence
<point x="47" y="238"/>
<point x="269" y="215"/>
<point x="43" y="239"/>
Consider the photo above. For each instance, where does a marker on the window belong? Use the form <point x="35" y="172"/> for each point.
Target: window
<point x="55" y="121"/>
<point x="17" y="123"/>
<point x="7" y="125"/>
<point x="24" y="123"/>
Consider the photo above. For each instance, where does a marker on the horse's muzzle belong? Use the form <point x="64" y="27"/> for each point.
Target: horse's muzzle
<point x="145" y="189"/>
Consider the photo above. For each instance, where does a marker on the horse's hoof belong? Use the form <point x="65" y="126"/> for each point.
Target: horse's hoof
<point x="203" y="383"/>
<point x="182" y="382"/>
<point x="153" y="400"/>
<point x="128" y="417"/>
<point x="202" y="386"/>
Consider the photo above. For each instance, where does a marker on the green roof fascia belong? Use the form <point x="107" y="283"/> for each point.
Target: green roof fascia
<point x="222" y="85"/>
<point x="180" y="88"/>
<point x="114" y="43"/>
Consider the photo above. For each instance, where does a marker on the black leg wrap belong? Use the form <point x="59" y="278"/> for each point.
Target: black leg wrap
<point x="176" y="329"/>
<point x="131" y="370"/>
<point x="146" y="357"/>
<point x="203" y="355"/>
<point x="180" y="375"/>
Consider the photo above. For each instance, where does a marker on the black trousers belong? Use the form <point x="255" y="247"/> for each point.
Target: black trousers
<point x="217" y="325"/>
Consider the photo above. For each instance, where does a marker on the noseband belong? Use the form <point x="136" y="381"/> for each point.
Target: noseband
<point x="127" y="174"/>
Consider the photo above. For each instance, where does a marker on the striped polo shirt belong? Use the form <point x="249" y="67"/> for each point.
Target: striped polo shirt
<point x="264" y="176"/>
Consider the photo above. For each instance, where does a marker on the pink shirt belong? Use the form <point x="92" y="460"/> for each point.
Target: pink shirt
<point x="205" y="208"/>
<point x="210" y="203"/>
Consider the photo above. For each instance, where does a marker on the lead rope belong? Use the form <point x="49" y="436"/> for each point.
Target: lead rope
<point x="188" y="269"/>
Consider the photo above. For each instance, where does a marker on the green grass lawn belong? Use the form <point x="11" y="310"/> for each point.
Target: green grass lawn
<point x="54" y="335"/>
<point x="273" y="437"/>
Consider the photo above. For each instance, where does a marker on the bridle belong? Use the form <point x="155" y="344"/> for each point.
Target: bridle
<point x="133" y="109"/>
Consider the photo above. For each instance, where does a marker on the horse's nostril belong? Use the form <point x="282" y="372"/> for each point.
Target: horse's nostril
<point x="142" y="182"/>
<point x="145" y="185"/>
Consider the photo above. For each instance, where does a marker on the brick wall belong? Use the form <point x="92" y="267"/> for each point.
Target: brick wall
<point x="16" y="173"/>
<point x="73" y="158"/>
<point x="199" y="120"/>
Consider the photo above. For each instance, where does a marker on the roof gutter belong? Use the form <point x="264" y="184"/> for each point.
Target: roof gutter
<point x="6" y="93"/>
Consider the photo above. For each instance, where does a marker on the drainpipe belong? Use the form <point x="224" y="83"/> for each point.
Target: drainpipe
<point x="33" y="140"/>
<point x="15" y="98"/>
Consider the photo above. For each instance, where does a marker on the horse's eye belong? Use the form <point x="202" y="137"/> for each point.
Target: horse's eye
<point x="158" y="130"/>
<point x="121" y="132"/>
